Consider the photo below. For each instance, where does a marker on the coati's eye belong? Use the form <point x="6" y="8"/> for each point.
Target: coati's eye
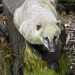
<point x="54" y="38"/>
<point x="38" y="27"/>
<point x="58" y="23"/>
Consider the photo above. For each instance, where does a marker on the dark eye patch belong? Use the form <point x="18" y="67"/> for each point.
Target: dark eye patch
<point x="54" y="38"/>
<point x="38" y="27"/>
<point x="58" y="23"/>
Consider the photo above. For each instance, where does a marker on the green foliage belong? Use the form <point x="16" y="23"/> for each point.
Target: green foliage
<point x="34" y="65"/>
<point x="5" y="61"/>
<point x="64" y="65"/>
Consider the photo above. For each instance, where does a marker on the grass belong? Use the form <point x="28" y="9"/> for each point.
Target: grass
<point x="34" y="65"/>
<point x="5" y="61"/>
<point x="63" y="65"/>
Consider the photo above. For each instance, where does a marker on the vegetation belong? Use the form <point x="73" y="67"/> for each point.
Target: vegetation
<point x="5" y="61"/>
<point x="34" y="65"/>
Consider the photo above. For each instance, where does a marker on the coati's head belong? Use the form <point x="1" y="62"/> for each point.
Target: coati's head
<point x="38" y="24"/>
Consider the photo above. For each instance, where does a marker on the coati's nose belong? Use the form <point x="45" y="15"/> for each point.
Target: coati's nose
<point x="49" y="44"/>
